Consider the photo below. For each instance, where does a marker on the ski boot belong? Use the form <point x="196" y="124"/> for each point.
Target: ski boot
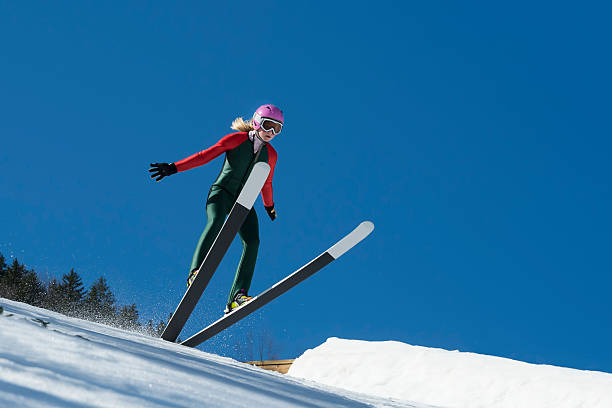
<point x="240" y="299"/>
<point x="191" y="277"/>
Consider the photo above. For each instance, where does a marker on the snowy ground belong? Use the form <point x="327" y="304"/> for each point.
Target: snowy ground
<point x="450" y="378"/>
<point x="50" y="360"/>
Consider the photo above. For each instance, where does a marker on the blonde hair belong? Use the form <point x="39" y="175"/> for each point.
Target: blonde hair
<point x="241" y="125"/>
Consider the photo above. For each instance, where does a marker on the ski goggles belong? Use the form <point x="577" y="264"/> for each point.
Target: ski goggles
<point x="271" y="125"/>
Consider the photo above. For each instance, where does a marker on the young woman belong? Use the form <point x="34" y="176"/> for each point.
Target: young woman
<point x="251" y="144"/>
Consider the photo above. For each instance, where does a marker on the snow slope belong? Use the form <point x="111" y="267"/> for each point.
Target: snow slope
<point x="450" y="378"/>
<point x="50" y="360"/>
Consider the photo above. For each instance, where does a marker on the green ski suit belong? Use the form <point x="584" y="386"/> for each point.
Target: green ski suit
<point x="240" y="157"/>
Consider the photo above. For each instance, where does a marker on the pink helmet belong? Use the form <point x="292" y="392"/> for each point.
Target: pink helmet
<point x="267" y="111"/>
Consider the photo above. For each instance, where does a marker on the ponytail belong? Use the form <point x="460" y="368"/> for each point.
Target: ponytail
<point x="241" y="125"/>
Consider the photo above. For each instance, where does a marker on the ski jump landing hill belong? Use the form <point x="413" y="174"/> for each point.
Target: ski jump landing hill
<point x="50" y="360"/>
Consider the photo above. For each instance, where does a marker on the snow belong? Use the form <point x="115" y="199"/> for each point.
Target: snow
<point x="50" y="360"/>
<point x="450" y="379"/>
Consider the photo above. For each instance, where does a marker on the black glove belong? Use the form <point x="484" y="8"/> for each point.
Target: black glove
<point x="161" y="170"/>
<point x="271" y="212"/>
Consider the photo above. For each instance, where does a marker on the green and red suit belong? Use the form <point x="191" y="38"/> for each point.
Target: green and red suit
<point x="242" y="150"/>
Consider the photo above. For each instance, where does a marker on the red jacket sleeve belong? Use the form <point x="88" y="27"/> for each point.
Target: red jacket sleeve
<point x="266" y="191"/>
<point x="226" y="143"/>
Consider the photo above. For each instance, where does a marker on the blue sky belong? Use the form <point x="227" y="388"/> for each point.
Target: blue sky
<point x="475" y="136"/>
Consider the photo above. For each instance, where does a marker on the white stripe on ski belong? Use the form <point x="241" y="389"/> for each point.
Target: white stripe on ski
<point x="363" y="230"/>
<point x="250" y="191"/>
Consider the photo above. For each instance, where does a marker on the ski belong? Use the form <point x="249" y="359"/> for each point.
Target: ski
<point x="230" y="228"/>
<point x="333" y="253"/>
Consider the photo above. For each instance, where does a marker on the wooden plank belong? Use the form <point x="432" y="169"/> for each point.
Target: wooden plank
<point x="280" y="366"/>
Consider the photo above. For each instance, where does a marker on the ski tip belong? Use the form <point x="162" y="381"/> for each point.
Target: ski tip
<point x="254" y="184"/>
<point x="261" y="165"/>
<point x="353" y="238"/>
<point x="260" y="171"/>
<point x="366" y="226"/>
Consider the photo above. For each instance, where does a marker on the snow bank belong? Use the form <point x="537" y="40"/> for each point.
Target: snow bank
<point x="450" y="378"/>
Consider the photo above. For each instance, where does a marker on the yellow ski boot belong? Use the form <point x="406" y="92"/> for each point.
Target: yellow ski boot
<point x="239" y="300"/>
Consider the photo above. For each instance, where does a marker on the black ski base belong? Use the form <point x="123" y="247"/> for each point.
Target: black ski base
<point x="264" y="298"/>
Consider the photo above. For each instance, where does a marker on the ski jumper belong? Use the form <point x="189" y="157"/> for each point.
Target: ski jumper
<point x="242" y="150"/>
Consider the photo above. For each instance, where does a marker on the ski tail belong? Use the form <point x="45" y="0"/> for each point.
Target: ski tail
<point x="336" y="251"/>
<point x="231" y="226"/>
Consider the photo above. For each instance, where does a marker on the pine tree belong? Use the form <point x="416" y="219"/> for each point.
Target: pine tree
<point x="72" y="292"/>
<point x="11" y="279"/>
<point x="3" y="267"/>
<point x="30" y="289"/>
<point x="3" y="277"/>
<point x="18" y="283"/>
<point x="128" y="317"/>
<point x="149" y="328"/>
<point x="99" y="303"/>
<point x="54" y="299"/>
<point x="161" y="326"/>
<point x="15" y="273"/>
<point x="156" y="330"/>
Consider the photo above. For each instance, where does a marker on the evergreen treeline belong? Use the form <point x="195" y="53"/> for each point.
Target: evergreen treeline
<point x="68" y="296"/>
